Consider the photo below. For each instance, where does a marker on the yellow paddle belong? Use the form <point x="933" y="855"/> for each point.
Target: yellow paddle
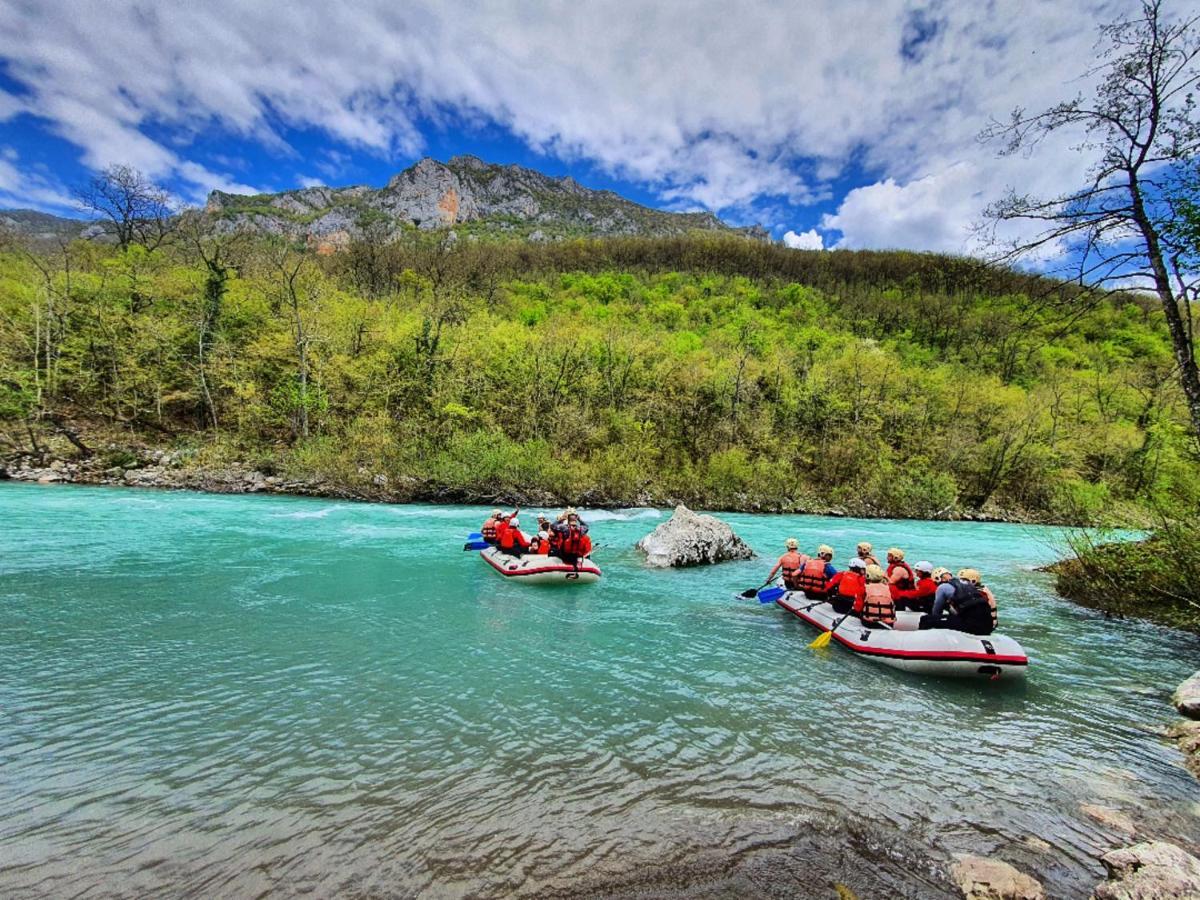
<point x="822" y="640"/>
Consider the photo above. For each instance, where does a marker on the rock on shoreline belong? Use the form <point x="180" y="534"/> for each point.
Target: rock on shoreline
<point x="980" y="878"/>
<point x="692" y="539"/>
<point x="1187" y="697"/>
<point x="1151" y="869"/>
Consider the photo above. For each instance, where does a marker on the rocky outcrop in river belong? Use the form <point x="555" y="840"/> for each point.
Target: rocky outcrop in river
<point x="692" y="539"/>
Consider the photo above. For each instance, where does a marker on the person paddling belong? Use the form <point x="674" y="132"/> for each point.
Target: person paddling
<point x="790" y="564"/>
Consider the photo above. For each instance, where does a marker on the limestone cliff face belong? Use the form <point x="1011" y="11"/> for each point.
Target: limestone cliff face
<point x="431" y="195"/>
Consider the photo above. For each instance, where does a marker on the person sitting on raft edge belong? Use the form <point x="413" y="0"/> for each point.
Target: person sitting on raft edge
<point x="816" y="574"/>
<point x="494" y="525"/>
<point x="963" y="604"/>
<point x="846" y="589"/>
<point x="573" y="543"/>
<point x="790" y="564"/>
<point x="878" y="608"/>
<point x="512" y="540"/>
<point x="899" y="573"/>
<point x="920" y="597"/>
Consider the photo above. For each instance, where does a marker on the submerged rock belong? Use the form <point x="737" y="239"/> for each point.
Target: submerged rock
<point x="1187" y="697"/>
<point x="692" y="539"/>
<point x="1110" y="818"/>
<point x="1154" y="869"/>
<point x="990" y="879"/>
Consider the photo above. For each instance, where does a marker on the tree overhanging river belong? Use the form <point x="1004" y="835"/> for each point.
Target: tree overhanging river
<point x="229" y="694"/>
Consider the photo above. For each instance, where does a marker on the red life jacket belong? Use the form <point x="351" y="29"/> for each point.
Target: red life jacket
<point x="924" y="589"/>
<point x="853" y="585"/>
<point x="489" y="530"/>
<point x="906" y="583"/>
<point x="789" y="565"/>
<point x="501" y="529"/>
<point x="576" y="543"/>
<point x="811" y="578"/>
<point x="512" y="539"/>
<point x="877" y="604"/>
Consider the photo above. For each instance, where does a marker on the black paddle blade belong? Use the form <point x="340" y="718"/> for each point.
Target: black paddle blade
<point x="750" y="593"/>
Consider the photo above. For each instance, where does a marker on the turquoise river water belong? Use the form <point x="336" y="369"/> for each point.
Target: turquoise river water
<point x="239" y="696"/>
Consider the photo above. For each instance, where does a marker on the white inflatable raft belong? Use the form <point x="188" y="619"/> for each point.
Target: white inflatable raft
<point x="540" y="569"/>
<point x="937" y="651"/>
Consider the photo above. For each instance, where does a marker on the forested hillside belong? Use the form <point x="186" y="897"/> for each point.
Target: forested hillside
<point x="722" y="372"/>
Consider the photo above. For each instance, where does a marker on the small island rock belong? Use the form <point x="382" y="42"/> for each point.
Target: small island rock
<point x="692" y="539"/>
<point x="1154" y="869"/>
<point x="1187" y="697"/>
<point x="990" y="879"/>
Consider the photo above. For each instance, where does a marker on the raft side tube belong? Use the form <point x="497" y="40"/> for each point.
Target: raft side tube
<point x="939" y="651"/>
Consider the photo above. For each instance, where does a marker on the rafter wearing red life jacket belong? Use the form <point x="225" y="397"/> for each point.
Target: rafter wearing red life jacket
<point x="846" y="591"/>
<point x="575" y="545"/>
<point x="512" y="541"/>
<point x="789" y="565"/>
<point x="501" y="529"/>
<point x="488" y="530"/>
<point x="878" y="607"/>
<point x="908" y="578"/>
<point x="919" y="598"/>
<point x="811" y="578"/>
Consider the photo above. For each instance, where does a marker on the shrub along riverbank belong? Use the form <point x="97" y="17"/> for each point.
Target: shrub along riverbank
<point x="722" y="373"/>
<point x="1156" y="579"/>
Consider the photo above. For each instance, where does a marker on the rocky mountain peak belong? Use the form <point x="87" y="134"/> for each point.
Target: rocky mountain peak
<point x="465" y="191"/>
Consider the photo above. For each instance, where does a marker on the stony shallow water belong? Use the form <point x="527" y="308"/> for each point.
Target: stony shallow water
<point x="224" y="695"/>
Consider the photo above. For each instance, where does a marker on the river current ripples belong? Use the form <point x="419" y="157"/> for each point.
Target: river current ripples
<point x="237" y="696"/>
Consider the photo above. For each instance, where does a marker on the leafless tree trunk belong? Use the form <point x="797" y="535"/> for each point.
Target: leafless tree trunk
<point x="1121" y="225"/>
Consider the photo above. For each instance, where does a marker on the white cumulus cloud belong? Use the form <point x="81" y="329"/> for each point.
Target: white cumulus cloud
<point x="727" y="111"/>
<point x="806" y="240"/>
<point x="929" y="213"/>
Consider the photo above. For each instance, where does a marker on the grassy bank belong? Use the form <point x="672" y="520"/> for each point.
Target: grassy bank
<point x="726" y="374"/>
<point x="1157" y="579"/>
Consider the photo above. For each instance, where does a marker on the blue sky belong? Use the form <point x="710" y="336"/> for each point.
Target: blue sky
<point x="832" y="122"/>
